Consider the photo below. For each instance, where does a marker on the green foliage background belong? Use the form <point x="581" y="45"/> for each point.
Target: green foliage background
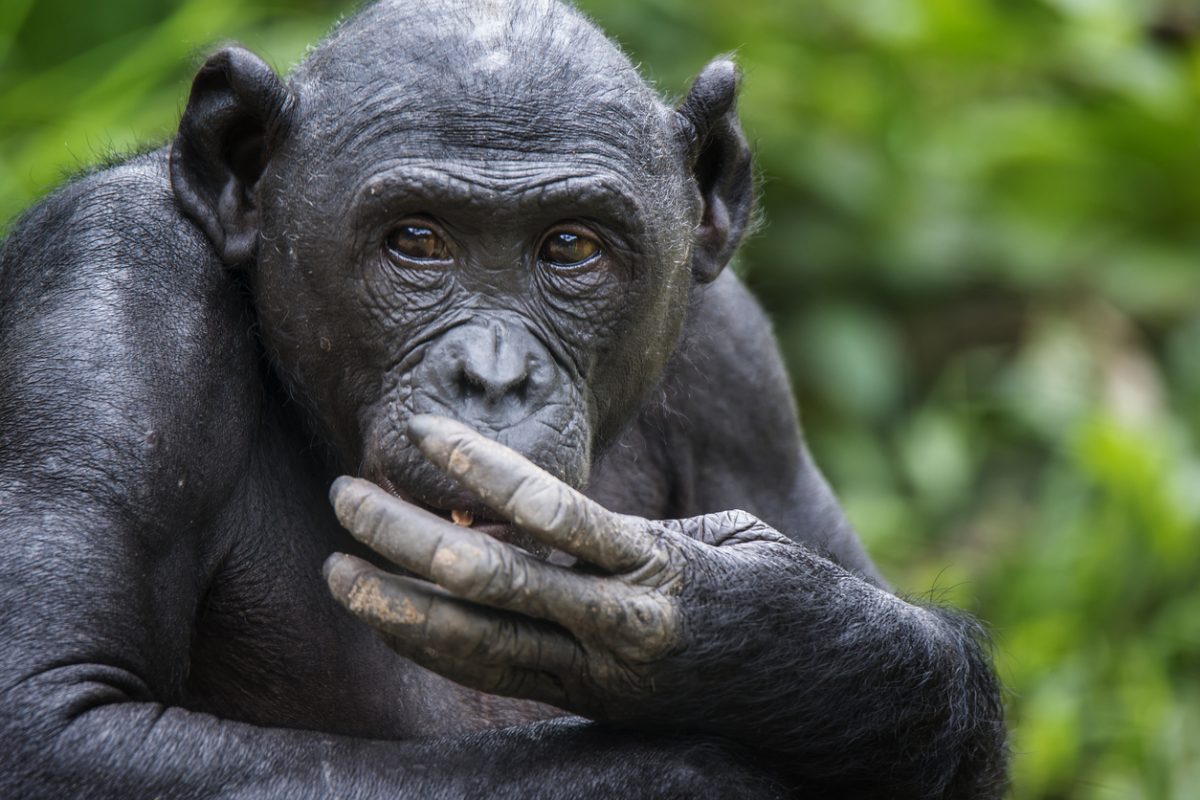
<point x="982" y="258"/>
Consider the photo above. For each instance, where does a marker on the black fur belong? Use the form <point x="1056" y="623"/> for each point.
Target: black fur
<point x="195" y="342"/>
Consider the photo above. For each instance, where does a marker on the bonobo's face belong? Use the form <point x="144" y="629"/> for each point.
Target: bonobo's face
<point x="490" y="222"/>
<point x="474" y="208"/>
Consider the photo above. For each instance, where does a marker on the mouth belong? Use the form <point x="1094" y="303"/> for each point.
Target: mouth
<point x="474" y="518"/>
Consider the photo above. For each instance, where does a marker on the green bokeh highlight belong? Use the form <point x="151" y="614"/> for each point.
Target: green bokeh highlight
<point x="981" y="255"/>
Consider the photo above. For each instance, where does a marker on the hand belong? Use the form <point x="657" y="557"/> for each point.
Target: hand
<point x="590" y="640"/>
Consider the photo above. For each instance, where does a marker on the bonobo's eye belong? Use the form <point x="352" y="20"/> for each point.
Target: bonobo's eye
<point x="569" y="248"/>
<point x="416" y="241"/>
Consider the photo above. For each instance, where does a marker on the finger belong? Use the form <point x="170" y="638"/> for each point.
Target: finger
<point x="477" y="567"/>
<point x="509" y="680"/>
<point x="419" y="616"/>
<point x="530" y="497"/>
<point x="527" y="684"/>
<point x="724" y="528"/>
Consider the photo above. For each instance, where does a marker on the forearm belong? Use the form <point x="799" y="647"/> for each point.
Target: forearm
<point x="869" y="696"/>
<point x="66" y="737"/>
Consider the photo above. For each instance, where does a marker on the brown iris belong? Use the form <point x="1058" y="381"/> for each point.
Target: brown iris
<point x="568" y="248"/>
<point x="416" y="241"/>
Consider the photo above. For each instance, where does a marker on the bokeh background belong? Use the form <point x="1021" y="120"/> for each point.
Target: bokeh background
<point x="982" y="256"/>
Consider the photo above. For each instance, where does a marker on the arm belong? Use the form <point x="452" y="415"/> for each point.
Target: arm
<point x="93" y="614"/>
<point x="84" y="714"/>
<point x="118" y="337"/>
<point x="882" y="674"/>
<point x="849" y="632"/>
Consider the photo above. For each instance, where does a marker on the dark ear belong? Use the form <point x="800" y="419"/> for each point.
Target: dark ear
<point x="238" y="112"/>
<point x="721" y="163"/>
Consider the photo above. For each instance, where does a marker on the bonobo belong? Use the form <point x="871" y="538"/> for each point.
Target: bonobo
<point x="467" y="256"/>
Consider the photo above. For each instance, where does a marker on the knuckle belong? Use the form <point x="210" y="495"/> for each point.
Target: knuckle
<point x="533" y="502"/>
<point x="663" y="562"/>
<point x="735" y="527"/>
<point x="348" y="504"/>
<point x="343" y="578"/>
<point x="368" y="518"/>
<point x="492" y="574"/>
<point x="461" y="454"/>
<point x="373" y="520"/>
<point x="562" y="513"/>
<point x="503" y="579"/>
<point x="738" y="519"/>
<point x="363" y="595"/>
<point x="508" y="682"/>
<point x="456" y="567"/>
<point x="652" y="626"/>
<point x="499" y="640"/>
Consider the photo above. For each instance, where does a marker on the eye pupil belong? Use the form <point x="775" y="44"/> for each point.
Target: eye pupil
<point x="417" y="243"/>
<point x="568" y="249"/>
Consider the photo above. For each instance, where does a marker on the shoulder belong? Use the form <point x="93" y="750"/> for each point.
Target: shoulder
<point x="114" y="233"/>
<point x="728" y="379"/>
<point x="102" y="221"/>
<point x="727" y="400"/>
<point x="122" y="338"/>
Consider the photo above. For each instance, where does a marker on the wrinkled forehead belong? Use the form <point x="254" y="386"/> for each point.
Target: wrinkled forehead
<point x="479" y="80"/>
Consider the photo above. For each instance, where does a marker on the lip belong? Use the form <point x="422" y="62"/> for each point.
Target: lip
<point x="498" y="529"/>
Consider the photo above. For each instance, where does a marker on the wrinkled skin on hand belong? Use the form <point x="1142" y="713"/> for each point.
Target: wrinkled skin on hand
<point x="492" y="616"/>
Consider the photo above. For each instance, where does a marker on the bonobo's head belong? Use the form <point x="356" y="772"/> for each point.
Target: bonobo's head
<point x="475" y="209"/>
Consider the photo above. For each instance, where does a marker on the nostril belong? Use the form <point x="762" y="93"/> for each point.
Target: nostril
<point x="470" y="387"/>
<point x="478" y="384"/>
<point x="492" y="369"/>
<point x="501" y="389"/>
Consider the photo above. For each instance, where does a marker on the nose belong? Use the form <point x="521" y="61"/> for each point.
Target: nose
<point x="495" y="372"/>
<point x="488" y="365"/>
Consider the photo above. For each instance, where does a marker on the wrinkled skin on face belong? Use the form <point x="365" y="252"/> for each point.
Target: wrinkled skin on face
<point x="507" y="243"/>
<point x="512" y="240"/>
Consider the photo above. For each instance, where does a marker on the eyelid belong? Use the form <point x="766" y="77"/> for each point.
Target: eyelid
<point x="419" y="221"/>
<point x="575" y="229"/>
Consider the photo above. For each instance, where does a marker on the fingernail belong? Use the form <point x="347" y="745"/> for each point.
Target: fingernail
<point x="422" y="426"/>
<point x="331" y="564"/>
<point x="338" y="486"/>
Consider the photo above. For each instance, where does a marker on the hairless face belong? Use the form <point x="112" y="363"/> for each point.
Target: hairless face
<point x="479" y="210"/>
